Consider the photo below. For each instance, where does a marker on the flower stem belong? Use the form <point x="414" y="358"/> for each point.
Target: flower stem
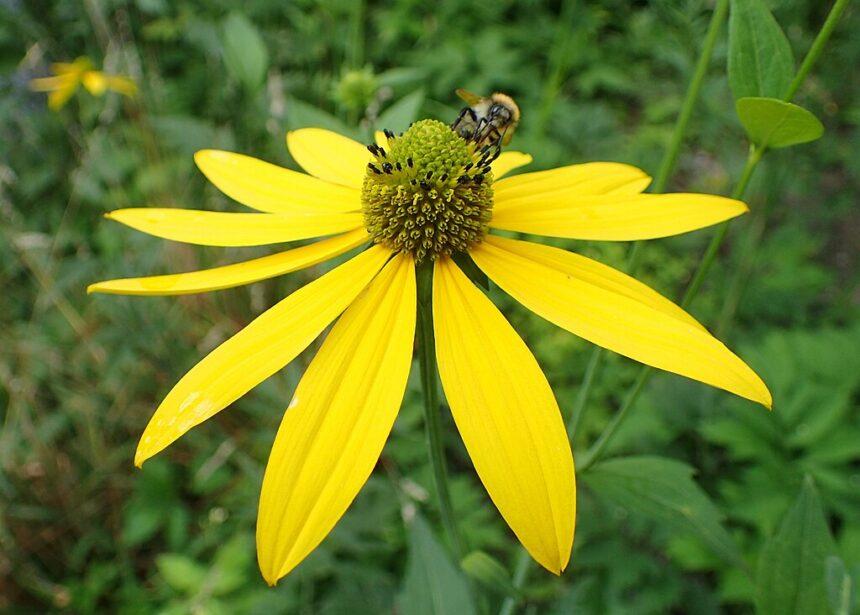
<point x="524" y="563"/>
<point x="704" y="267"/>
<point x="667" y="165"/>
<point x="817" y="47"/>
<point x="671" y="156"/>
<point x="753" y="158"/>
<point x="596" y="450"/>
<point x="584" y="390"/>
<point x="560" y="59"/>
<point x="432" y="414"/>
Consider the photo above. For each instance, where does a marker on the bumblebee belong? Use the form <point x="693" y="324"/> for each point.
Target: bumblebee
<point x="487" y="120"/>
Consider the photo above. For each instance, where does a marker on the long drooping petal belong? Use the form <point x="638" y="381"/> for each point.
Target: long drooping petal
<point x="508" y="161"/>
<point x="122" y="85"/>
<point x="60" y="87"/>
<point x="592" y="178"/>
<point x="611" y="217"/>
<point x="329" y="156"/>
<point x="49" y="84"/>
<point x="215" y="228"/>
<point x="237" y="274"/>
<point x="507" y="416"/>
<point x="595" y="274"/>
<point x="270" y="188"/>
<point x="624" y="322"/>
<point x="337" y="423"/>
<point x="269" y="342"/>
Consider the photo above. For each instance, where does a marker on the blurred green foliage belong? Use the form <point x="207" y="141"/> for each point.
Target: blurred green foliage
<point x="82" y="531"/>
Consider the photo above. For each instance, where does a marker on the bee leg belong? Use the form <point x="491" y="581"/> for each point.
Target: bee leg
<point x="463" y="127"/>
<point x="480" y="131"/>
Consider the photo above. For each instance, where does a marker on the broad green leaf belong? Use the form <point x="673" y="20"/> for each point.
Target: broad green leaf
<point x="773" y="123"/>
<point x="664" y="490"/>
<point x="302" y="115"/>
<point x="432" y="585"/>
<point x="394" y="77"/>
<point x="487" y="571"/>
<point x="181" y="573"/>
<point x="402" y="113"/>
<point x="231" y="562"/>
<point x="840" y="587"/>
<point x="245" y="53"/>
<point x="792" y="567"/>
<point x="760" y="58"/>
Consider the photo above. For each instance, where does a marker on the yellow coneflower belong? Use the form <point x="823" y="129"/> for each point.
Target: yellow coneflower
<point x="68" y="76"/>
<point x="416" y="200"/>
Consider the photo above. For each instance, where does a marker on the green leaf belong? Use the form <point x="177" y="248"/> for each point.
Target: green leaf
<point x="760" y="58"/>
<point x="231" y="563"/>
<point x="181" y="573"/>
<point x="245" y="53"/>
<point x="302" y="115"/>
<point x="840" y="587"/>
<point x="490" y="573"/>
<point x="432" y="585"/>
<point x="773" y="123"/>
<point x="792" y="568"/>
<point x="402" y="113"/>
<point x="663" y="489"/>
<point x="394" y="77"/>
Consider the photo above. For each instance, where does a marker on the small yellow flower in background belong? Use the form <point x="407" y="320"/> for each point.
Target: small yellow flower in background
<point x="415" y="198"/>
<point x="68" y="76"/>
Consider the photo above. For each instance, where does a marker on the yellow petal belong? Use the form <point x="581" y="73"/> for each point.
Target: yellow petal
<point x="214" y="228"/>
<point x="380" y="138"/>
<point x="593" y="273"/>
<point x="122" y="85"/>
<point x="267" y="344"/>
<point x="49" y="84"/>
<point x="337" y="423"/>
<point x="95" y="82"/>
<point x="271" y="188"/>
<point x="592" y="178"/>
<point x="234" y="275"/>
<point x="508" y="161"/>
<point x="507" y="416"/>
<point x="78" y="66"/>
<point x="329" y="156"/>
<point x="59" y="97"/>
<point x="617" y="320"/>
<point x="614" y="217"/>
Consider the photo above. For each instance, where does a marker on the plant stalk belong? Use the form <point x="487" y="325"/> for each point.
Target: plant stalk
<point x="432" y="409"/>
<point x="754" y="157"/>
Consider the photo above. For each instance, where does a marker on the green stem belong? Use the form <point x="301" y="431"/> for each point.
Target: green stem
<point x="667" y="166"/>
<point x="432" y="414"/>
<point x="692" y="95"/>
<point x="524" y="562"/>
<point x="355" y="51"/>
<point x="598" y="448"/>
<point x="817" y="47"/>
<point x="559" y="62"/>
<point x="754" y="157"/>
<point x="584" y="390"/>
<point x="713" y="248"/>
<point x="594" y="453"/>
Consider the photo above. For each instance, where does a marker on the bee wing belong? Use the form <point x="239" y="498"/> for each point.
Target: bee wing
<point x="470" y="98"/>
